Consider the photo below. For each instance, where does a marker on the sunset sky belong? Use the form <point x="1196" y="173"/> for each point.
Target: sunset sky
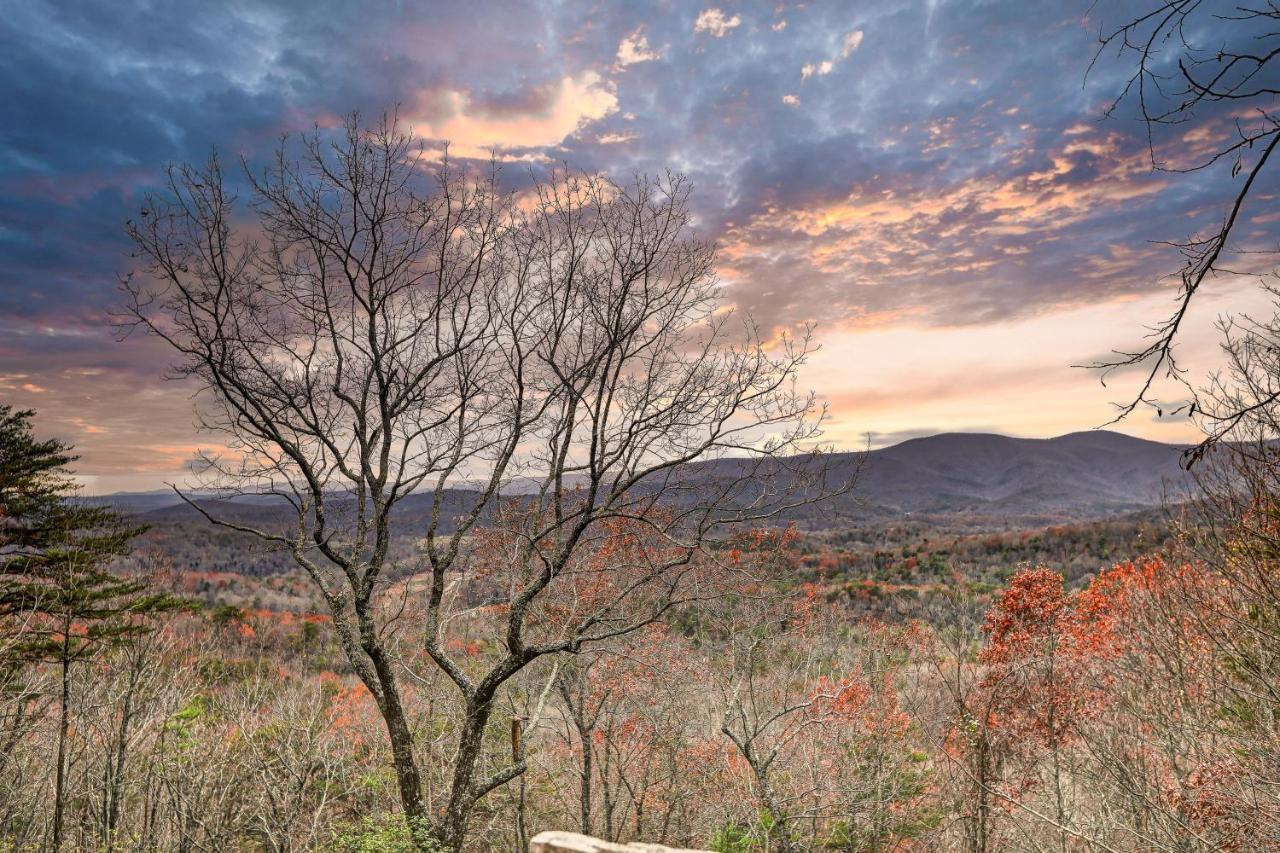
<point x="933" y="183"/>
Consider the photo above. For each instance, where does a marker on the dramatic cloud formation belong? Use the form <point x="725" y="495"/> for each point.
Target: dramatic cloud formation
<point x="930" y="181"/>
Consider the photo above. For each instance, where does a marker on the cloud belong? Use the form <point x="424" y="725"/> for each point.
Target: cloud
<point x="966" y="183"/>
<point x="545" y="118"/>
<point x="851" y="41"/>
<point x="635" y="48"/>
<point x="616" y="138"/>
<point x="821" y="69"/>
<point x="980" y="246"/>
<point x="891" y="380"/>
<point x="848" y="45"/>
<point x="713" y="22"/>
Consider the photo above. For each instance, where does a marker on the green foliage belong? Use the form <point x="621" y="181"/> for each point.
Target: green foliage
<point x="886" y="829"/>
<point x="844" y="836"/>
<point x="9" y="846"/>
<point x="33" y="478"/>
<point x="732" y="838"/>
<point x="220" y="671"/>
<point x="53" y="550"/>
<point x="183" y="724"/>
<point x="224" y="614"/>
<point x="387" y="833"/>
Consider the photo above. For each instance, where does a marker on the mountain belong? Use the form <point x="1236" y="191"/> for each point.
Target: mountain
<point x="1080" y="475"/>
<point x="995" y="481"/>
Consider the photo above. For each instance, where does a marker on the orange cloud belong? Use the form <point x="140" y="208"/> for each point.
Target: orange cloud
<point x="880" y="235"/>
<point x="473" y="130"/>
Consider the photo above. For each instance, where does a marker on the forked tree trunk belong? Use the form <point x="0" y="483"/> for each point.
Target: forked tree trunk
<point x="408" y="779"/>
<point x="462" y="795"/>
<point x="403" y="755"/>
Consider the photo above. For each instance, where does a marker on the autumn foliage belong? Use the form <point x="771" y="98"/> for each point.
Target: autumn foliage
<point x="1133" y="710"/>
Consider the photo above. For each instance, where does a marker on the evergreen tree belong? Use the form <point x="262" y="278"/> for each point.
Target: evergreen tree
<point x="33" y="486"/>
<point x="31" y="479"/>
<point x="59" y="603"/>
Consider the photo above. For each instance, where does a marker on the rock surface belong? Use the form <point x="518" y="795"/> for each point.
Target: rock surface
<point x="572" y="842"/>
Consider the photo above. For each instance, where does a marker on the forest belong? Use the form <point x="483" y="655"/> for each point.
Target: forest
<point x="509" y="516"/>
<point x="898" y="699"/>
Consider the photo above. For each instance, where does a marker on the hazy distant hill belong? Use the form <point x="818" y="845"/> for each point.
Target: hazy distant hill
<point x="999" y="479"/>
<point x="1083" y="473"/>
<point x="1080" y="475"/>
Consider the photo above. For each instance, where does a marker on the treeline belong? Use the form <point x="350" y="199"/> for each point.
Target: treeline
<point x="924" y="553"/>
<point x="919" y="552"/>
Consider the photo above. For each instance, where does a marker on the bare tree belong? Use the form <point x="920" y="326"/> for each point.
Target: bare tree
<point x="1210" y="67"/>
<point x="811" y="708"/>
<point x="383" y="326"/>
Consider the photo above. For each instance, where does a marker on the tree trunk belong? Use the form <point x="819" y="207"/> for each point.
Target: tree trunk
<point x="408" y="779"/>
<point x="586" y="769"/>
<point x="584" y="803"/>
<point x="115" y="770"/>
<point x="64" y="722"/>
<point x="606" y="789"/>
<point x="461" y="793"/>
<point x="978" y="836"/>
<point x="402" y="754"/>
<point x="778" y="830"/>
<point x="760" y="769"/>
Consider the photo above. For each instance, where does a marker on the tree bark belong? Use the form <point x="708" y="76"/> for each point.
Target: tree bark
<point x="403" y="757"/>
<point x="462" y="793"/>
<point x="64" y="722"/>
<point x="115" y="770"/>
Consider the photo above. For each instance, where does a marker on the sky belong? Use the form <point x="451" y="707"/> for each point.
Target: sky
<point x="932" y="182"/>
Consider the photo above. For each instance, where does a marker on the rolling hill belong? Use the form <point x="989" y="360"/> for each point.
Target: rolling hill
<point x="1079" y="475"/>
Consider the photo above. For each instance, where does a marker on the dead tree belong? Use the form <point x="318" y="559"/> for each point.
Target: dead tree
<point x="375" y="325"/>
<point x="1208" y="67"/>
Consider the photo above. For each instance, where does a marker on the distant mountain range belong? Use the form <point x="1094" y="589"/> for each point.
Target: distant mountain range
<point x="1080" y="475"/>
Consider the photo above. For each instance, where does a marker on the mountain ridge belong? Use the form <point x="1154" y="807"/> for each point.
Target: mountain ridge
<point x="1088" y="474"/>
<point x="1079" y="473"/>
